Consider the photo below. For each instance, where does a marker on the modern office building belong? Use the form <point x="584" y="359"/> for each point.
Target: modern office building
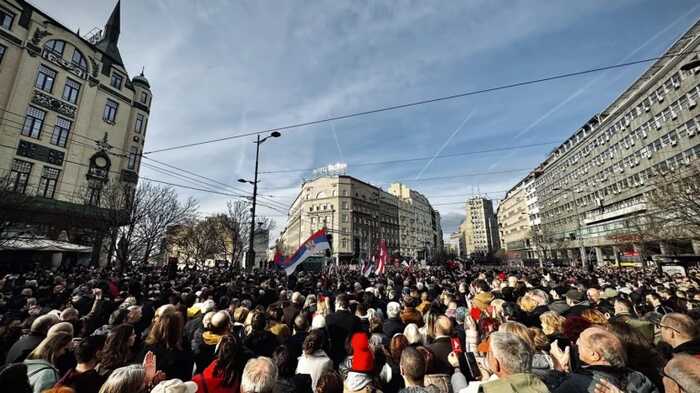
<point x="72" y="122"/>
<point x="515" y="228"/>
<point x="480" y="229"/>
<point x="592" y="186"/>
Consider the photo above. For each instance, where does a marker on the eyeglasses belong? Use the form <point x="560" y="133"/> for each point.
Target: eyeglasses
<point x="667" y="327"/>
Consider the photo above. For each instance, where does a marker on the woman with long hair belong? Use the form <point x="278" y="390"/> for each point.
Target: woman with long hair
<point x="118" y="349"/>
<point x="41" y="362"/>
<point x="165" y="341"/>
<point x="224" y="374"/>
<point x="314" y="360"/>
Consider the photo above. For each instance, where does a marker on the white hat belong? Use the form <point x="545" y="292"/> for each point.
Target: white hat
<point x="175" y="386"/>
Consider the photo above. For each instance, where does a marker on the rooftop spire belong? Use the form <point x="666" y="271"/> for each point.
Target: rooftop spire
<point x="110" y="38"/>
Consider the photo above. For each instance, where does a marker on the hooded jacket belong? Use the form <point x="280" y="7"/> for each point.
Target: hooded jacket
<point x="214" y="384"/>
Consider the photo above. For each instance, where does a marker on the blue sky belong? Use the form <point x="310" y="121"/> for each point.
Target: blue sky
<point x="219" y="68"/>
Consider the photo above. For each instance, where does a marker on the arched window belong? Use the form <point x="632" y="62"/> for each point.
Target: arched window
<point x="78" y="59"/>
<point x="56" y="46"/>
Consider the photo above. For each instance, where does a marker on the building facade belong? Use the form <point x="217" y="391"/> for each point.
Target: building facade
<point x="357" y="215"/>
<point x="418" y="223"/>
<point x="480" y="229"/>
<point x="518" y="221"/>
<point x="72" y="123"/>
<point x="594" y="184"/>
<point x="454" y="246"/>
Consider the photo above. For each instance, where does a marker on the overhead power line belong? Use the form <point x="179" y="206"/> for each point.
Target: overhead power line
<point x="466" y="153"/>
<point x="290" y="127"/>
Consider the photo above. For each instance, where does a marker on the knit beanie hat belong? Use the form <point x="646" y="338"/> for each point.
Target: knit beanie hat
<point x="362" y="358"/>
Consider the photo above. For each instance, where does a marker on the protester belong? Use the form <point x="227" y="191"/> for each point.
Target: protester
<point x="259" y="376"/>
<point x="84" y="378"/>
<point x="41" y="362"/>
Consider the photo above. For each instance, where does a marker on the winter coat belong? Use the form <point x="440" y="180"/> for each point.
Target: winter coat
<point x="214" y="384"/>
<point x="629" y="381"/>
<point x="339" y="326"/>
<point x="393" y="326"/>
<point x="516" y="383"/>
<point x="262" y="343"/>
<point x="314" y="365"/>
<point x="86" y="382"/>
<point x="23" y="347"/>
<point x="441" y="348"/>
<point x="175" y="363"/>
<point x="204" y="347"/>
<point x="42" y="374"/>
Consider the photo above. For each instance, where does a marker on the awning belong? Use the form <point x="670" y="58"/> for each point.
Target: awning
<point x="43" y="245"/>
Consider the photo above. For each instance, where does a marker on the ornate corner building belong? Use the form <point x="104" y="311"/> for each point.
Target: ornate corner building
<point x="72" y="122"/>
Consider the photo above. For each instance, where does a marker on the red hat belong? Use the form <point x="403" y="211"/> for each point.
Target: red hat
<point x="362" y="357"/>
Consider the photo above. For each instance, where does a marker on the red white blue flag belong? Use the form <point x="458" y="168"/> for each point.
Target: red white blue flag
<point x="314" y="245"/>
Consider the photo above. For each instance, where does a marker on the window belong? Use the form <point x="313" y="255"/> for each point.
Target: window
<point x="110" y="114"/>
<point x="56" y="46"/>
<point x="45" y="79"/>
<point x="19" y="175"/>
<point x="138" y="127"/>
<point x="144" y="98"/>
<point x="71" y="91"/>
<point x="117" y="81"/>
<point x="3" y="48"/>
<point x="133" y="156"/>
<point x="60" y="132"/>
<point x="79" y="60"/>
<point x="47" y="184"/>
<point x="33" y="123"/>
<point x="6" y="19"/>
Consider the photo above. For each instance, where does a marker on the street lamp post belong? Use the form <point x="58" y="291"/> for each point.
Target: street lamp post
<point x="250" y="256"/>
<point x="582" y="249"/>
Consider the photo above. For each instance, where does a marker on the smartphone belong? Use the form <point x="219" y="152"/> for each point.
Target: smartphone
<point x="456" y="345"/>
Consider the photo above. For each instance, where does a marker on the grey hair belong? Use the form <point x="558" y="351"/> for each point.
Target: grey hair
<point x="684" y="371"/>
<point x="259" y="376"/>
<point x="511" y="351"/>
<point x="127" y="379"/>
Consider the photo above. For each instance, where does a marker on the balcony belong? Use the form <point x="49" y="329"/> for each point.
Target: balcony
<point x="44" y="100"/>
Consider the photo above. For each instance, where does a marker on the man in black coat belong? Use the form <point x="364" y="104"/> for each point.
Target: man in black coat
<point x="393" y="324"/>
<point x="441" y="346"/>
<point x="340" y="325"/>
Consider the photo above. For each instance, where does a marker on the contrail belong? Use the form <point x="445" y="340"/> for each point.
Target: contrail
<point x="444" y="145"/>
<point x="337" y="143"/>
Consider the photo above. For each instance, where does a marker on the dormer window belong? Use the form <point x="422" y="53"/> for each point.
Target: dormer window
<point x="6" y="19"/>
<point x="117" y="81"/>
<point x="56" y="46"/>
<point x="144" y="98"/>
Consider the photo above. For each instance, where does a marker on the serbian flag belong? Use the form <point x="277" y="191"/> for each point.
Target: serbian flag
<point x="312" y="246"/>
<point x="367" y="267"/>
<point x="382" y="258"/>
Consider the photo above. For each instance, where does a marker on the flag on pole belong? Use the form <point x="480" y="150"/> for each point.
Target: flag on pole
<point x="366" y="268"/>
<point x="382" y="258"/>
<point x="312" y="246"/>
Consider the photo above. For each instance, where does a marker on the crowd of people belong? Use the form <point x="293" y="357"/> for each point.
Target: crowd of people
<point x="432" y="329"/>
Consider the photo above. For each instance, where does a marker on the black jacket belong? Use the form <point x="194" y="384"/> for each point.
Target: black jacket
<point x="584" y="380"/>
<point x="261" y="343"/>
<point x="173" y="362"/>
<point x="392" y="326"/>
<point x="340" y="325"/>
<point x="23" y="347"/>
<point x="441" y="348"/>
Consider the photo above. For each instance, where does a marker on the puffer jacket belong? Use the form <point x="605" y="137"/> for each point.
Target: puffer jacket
<point x="584" y="380"/>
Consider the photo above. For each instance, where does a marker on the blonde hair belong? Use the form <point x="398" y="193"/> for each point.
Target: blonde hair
<point x="49" y="347"/>
<point x="127" y="379"/>
<point x="527" y="303"/>
<point x="323" y="306"/>
<point x="539" y="339"/>
<point x="551" y="322"/>
<point x="518" y="329"/>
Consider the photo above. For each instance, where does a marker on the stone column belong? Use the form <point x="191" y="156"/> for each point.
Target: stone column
<point x="599" y="255"/>
<point x="584" y="257"/>
<point x="696" y="246"/>
<point x="663" y="248"/>
<point x="56" y="259"/>
<point x="616" y="254"/>
<point x="570" y="254"/>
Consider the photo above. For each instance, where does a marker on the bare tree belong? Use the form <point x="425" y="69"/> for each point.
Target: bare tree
<point x="235" y="222"/>
<point x="199" y="240"/>
<point x="139" y="218"/>
<point x="675" y="201"/>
